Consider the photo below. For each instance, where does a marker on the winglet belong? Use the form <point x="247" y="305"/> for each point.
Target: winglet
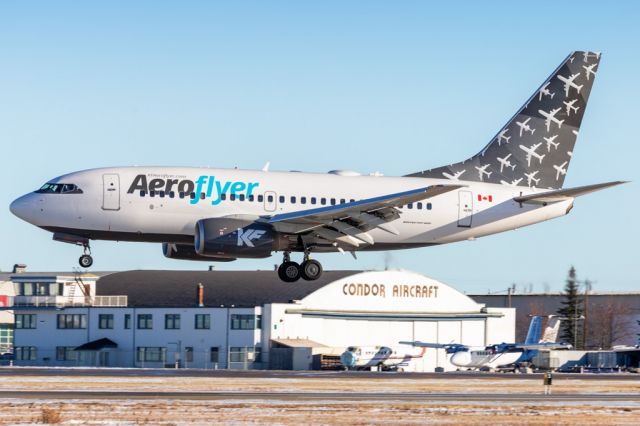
<point x="266" y="166"/>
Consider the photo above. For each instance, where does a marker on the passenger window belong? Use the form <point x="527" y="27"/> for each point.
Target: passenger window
<point x="303" y="200"/>
<point x="181" y="194"/>
<point x="293" y="199"/>
<point x="251" y="198"/>
<point x="161" y="194"/>
<point x="428" y="206"/>
<point x="323" y="201"/>
<point x="270" y="198"/>
<point x="241" y="197"/>
<point x="333" y="201"/>
<point x="342" y="201"/>
<point x="172" y="194"/>
<point x="419" y="206"/>
<point x="142" y="193"/>
<point x="192" y="195"/>
<point x="260" y="198"/>
<point x="353" y="201"/>
<point x="152" y="193"/>
<point x="313" y="200"/>
<point x="223" y="197"/>
<point x="232" y="197"/>
<point x="410" y="205"/>
<point x="281" y="198"/>
<point x="202" y="195"/>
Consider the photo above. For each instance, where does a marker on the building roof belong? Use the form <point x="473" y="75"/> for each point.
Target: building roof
<point x="221" y="288"/>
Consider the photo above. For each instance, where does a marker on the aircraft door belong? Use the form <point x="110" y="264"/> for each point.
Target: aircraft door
<point x="111" y="191"/>
<point x="270" y="201"/>
<point x="465" y="208"/>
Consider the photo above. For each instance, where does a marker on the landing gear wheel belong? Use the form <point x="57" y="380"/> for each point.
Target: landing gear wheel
<point x="289" y="272"/>
<point x="311" y="270"/>
<point x="85" y="260"/>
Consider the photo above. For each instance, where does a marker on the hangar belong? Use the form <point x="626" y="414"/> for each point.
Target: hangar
<point x="224" y="319"/>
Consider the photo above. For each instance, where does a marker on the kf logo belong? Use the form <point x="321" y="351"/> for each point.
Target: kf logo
<point x="245" y="237"/>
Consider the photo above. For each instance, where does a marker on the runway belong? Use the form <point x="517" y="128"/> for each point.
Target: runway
<point x="279" y="374"/>
<point x="316" y="396"/>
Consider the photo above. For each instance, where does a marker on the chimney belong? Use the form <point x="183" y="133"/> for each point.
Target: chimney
<point x="19" y="268"/>
<point x="200" y="295"/>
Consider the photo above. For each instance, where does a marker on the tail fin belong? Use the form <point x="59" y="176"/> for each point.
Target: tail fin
<point x="551" y="332"/>
<point x="537" y="141"/>
<point x="534" y="330"/>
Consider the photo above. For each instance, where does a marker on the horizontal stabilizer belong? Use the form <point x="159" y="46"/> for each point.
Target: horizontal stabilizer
<point x="564" y="194"/>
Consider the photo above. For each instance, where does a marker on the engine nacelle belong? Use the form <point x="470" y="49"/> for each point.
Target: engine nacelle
<point x="235" y="237"/>
<point x="188" y="252"/>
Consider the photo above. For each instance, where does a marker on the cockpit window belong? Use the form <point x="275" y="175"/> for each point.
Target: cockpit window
<point x="59" y="188"/>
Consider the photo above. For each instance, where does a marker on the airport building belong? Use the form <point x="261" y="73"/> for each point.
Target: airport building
<point x="247" y="320"/>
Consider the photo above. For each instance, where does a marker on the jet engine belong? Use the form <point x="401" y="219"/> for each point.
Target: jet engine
<point x="235" y="237"/>
<point x="188" y="252"/>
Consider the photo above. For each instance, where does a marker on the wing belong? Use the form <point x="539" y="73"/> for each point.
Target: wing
<point x="450" y="347"/>
<point x="348" y="223"/>
<point x="549" y="345"/>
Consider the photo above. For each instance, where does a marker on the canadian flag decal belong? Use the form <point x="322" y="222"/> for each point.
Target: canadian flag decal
<point x="485" y="198"/>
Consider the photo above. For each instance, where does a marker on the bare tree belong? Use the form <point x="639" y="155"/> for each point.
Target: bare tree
<point x="609" y="322"/>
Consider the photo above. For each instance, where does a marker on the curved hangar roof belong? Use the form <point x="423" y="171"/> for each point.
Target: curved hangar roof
<point x="335" y="291"/>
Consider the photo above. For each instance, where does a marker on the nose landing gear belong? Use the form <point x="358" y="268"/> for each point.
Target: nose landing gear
<point x="289" y="271"/>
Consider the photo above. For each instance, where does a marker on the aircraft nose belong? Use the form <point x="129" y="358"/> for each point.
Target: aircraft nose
<point x="20" y="207"/>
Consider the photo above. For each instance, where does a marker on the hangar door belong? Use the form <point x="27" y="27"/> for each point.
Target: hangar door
<point x="111" y="191"/>
<point x="465" y="208"/>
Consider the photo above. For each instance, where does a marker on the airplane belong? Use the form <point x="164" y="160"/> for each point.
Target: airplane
<point x="501" y="136"/>
<point x="501" y="354"/>
<point x="221" y="215"/>
<point x="531" y="152"/>
<point x="525" y="127"/>
<point x="482" y="171"/>
<point x="590" y="70"/>
<point x="454" y="176"/>
<point x="382" y="357"/>
<point x="587" y="55"/>
<point x="545" y="92"/>
<point x="513" y="183"/>
<point x="568" y="83"/>
<point x="550" y="141"/>
<point x="560" y="169"/>
<point x="551" y="116"/>
<point x="570" y="106"/>
<point x="504" y="162"/>
<point x="531" y="177"/>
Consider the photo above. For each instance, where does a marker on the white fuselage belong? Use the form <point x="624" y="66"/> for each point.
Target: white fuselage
<point x="356" y="357"/>
<point x="482" y="357"/>
<point x="111" y="205"/>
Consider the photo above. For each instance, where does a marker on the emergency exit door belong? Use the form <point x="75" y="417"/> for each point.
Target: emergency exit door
<point x="465" y="208"/>
<point x="110" y="191"/>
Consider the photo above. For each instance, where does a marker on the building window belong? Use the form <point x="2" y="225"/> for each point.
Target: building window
<point x="66" y="353"/>
<point x="72" y="321"/>
<point x="25" y="320"/>
<point x="25" y="353"/>
<point x="188" y="354"/>
<point x="151" y="354"/>
<point x="246" y="322"/>
<point x="245" y="354"/>
<point x="127" y="321"/>
<point x="215" y="354"/>
<point x="6" y="337"/>
<point x="105" y="321"/>
<point x="203" y="321"/>
<point x="145" y="321"/>
<point x="172" y="321"/>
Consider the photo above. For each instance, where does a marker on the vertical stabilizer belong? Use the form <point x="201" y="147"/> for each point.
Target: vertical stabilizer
<point x="534" y="330"/>
<point x="551" y="332"/>
<point x="534" y="148"/>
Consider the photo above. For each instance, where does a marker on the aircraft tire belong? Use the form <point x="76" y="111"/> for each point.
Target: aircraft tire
<point x="85" y="261"/>
<point x="289" y="272"/>
<point x="311" y="270"/>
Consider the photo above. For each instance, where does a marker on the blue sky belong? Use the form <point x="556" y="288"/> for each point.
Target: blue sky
<point x="394" y="87"/>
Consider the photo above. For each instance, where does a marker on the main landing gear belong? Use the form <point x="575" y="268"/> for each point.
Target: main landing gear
<point x="86" y="260"/>
<point x="309" y="270"/>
